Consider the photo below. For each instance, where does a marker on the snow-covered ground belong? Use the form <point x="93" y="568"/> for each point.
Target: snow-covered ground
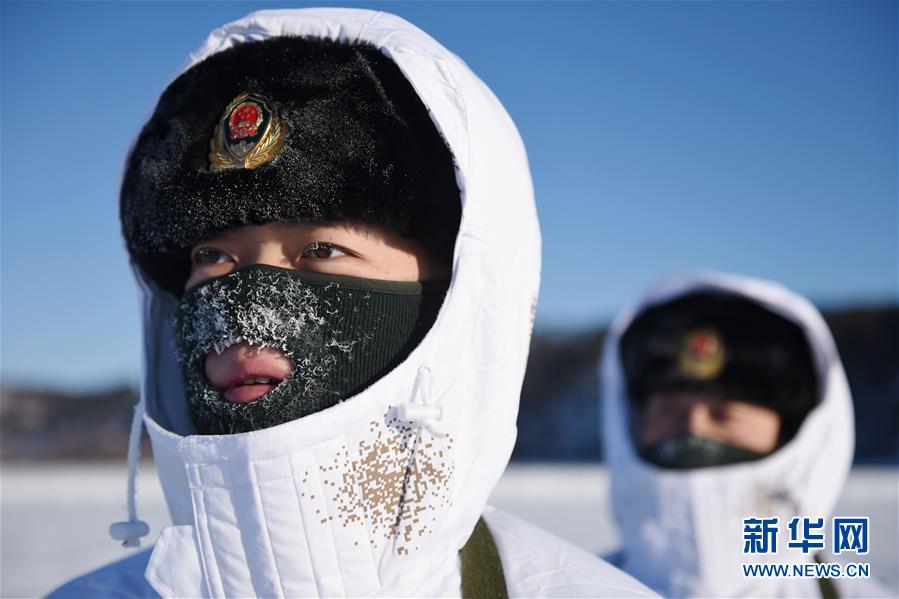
<point x="53" y="518"/>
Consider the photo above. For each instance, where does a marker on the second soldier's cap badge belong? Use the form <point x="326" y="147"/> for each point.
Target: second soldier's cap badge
<point x="701" y="355"/>
<point x="248" y="134"/>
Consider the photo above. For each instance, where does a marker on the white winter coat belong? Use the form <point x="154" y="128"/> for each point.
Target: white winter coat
<point x="682" y="531"/>
<point x="310" y="508"/>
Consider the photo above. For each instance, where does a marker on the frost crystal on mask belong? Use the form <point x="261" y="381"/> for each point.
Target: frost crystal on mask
<point x="265" y="310"/>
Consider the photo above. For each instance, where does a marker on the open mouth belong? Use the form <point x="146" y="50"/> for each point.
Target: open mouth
<point x="250" y="389"/>
<point x="244" y="373"/>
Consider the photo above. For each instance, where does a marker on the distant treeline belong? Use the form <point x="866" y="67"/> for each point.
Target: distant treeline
<point x="44" y="425"/>
<point x="559" y="416"/>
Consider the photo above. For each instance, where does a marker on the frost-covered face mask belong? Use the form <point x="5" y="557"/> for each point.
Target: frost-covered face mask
<point x="341" y="334"/>
<point x="692" y="451"/>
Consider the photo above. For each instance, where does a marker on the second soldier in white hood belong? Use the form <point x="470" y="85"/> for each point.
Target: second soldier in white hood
<point x="757" y="423"/>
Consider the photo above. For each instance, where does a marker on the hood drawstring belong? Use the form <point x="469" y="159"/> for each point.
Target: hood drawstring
<point x="424" y="414"/>
<point x="132" y="530"/>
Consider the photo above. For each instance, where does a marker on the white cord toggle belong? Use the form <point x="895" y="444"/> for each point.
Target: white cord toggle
<point x="424" y="414"/>
<point x="130" y="531"/>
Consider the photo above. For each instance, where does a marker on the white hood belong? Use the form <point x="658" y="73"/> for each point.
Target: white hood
<point x="682" y="531"/>
<point x="354" y="500"/>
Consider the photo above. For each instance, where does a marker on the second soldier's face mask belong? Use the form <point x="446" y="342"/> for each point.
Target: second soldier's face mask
<point x="341" y="334"/>
<point x="688" y="451"/>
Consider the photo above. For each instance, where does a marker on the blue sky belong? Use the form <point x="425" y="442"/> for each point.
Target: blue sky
<point x="754" y="137"/>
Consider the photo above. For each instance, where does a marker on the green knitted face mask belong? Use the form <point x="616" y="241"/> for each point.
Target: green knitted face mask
<point x="341" y="333"/>
<point x="690" y="451"/>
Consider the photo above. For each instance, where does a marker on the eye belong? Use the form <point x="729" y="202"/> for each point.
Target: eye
<point x="204" y="256"/>
<point x="320" y="250"/>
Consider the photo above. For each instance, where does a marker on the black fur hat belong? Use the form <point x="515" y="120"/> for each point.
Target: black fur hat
<point x="724" y="345"/>
<point x="353" y="142"/>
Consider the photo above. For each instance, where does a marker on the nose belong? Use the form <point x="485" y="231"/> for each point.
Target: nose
<point x="697" y="419"/>
<point x="272" y="253"/>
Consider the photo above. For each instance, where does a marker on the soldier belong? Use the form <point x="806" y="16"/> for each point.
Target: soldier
<point x="332" y="221"/>
<point x="724" y="399"/>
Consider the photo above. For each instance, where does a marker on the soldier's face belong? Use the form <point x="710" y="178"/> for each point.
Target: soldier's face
<point x="338" y="249"/>
<point x="668" y="414"/>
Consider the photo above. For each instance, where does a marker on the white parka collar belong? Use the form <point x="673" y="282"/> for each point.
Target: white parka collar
<point x="682" y="532"/>
<point x="353" y="500"/>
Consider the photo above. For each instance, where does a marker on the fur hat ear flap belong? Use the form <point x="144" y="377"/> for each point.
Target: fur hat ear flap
<point x="724" y="345"/>
<point x="288" y="129"/>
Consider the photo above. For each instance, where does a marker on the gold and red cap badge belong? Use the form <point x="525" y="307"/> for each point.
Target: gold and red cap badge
<point x="249" y="134"/>
<point x="701" y="354"/>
